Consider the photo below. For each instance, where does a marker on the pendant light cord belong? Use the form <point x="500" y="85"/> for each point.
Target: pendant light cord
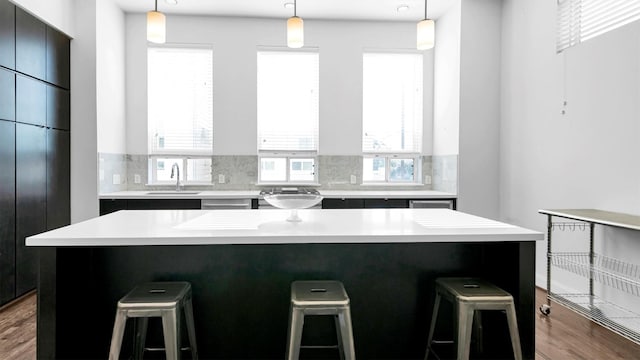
<point x="425" y="8"/>
<point x="156" y="5"/>
<point x="294" y="7"/>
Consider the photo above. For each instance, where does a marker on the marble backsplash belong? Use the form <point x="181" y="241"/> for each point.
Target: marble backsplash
<point x="121" y="172"/>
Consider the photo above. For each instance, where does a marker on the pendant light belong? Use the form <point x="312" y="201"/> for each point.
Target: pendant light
<point x="156" y="23"/>
<point x="426" y="32"/>
<point x="295" y="30"/>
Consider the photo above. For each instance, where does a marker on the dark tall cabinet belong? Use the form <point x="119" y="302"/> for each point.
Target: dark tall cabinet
<point x="7" y="213"/>
<point x="34" y="142"/>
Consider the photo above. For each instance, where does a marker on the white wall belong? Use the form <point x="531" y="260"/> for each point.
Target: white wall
<point x="84" y="154"/>
<point x="110" y="78"/>
<point x="479" y="133"/>
<point x="58" y="13"/>
<point x="235" y="41"/>
<point x="447" y="82"/>
<point x="586" y="158"/>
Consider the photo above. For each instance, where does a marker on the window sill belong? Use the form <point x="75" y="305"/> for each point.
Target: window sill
<point x="404" y="184"/>
<point x="287" y="184"/>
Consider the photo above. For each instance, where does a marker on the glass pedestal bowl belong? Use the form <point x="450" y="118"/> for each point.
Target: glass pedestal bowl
<point x="293" y="199"/>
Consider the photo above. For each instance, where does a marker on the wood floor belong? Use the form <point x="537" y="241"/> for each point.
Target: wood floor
<point x="18" y="329"/>
<point x="561" y="336"/>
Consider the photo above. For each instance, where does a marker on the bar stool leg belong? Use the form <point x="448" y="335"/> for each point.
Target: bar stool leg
<point x="434" y="317"/>
<point x="477" y="325"/>
<point x="336" y="319"/>
<point x="171" y="329"/>
<point x="465" y="321"/>
<point x="141" y="337"/>
<point x="513" y="331"/>
<point x="191" y="329"/>
<point x="296" y="321"/>
<point x="118" y="333"/>
<point x="347" y="334"/>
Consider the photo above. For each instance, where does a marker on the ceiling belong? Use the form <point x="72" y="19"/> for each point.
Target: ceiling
<point x="378" y="10"/>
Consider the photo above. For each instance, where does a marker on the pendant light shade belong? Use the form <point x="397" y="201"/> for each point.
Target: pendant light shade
<point x="295" y="30"/>
<point x="156" y="26"/>
<point x="426" y="32"/>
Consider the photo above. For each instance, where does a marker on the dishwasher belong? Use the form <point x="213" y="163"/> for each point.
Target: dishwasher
<point x="225" y="204"/>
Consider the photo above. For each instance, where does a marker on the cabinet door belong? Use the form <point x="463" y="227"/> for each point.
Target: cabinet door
<point x="163" y="204"/>
<point x="58" y="47"/>
<point x="31" y="39"/>
<point x="58" y="184"/>
<point x="31" y="101"/>
<point x="58" y="108"/>
<point x="7" y="210"/>
<point x="107" y="206"/>
<point x="342" y="203"/>
<point x="386" y="203"/>
<point x="7" y="95"/>
<point x="7" y="34"/>
<point x="31" y="195"/>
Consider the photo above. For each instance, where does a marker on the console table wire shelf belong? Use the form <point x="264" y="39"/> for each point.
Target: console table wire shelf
<point x="597" y="268"/>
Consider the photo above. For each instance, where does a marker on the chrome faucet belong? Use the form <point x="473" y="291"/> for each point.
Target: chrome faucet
<point x="176" y="167"/>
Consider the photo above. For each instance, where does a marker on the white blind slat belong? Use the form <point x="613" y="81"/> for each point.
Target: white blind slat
<point x="180" y="100"/>
<point x="581" y="20"/>
<point x="288" y="100"/>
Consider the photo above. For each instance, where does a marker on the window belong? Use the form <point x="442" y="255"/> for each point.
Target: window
<point x="392" y="117"/>
<point x="581" y="20"/>
<point x="180" y="112"/>
<point x="288" y="84"/>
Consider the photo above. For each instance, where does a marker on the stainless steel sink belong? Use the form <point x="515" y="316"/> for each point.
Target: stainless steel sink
<point x="172" y="192"/>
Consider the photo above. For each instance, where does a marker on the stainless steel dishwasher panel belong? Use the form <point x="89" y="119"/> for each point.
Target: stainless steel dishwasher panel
<point x="226" y="204"/>
<point x="431" y="204"/>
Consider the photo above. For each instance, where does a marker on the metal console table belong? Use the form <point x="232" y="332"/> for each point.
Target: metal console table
<point x="612" y="272"/>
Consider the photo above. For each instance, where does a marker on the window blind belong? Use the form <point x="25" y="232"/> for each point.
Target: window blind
<point x="180" y="100"/>
<point x="288" y="96"/>
<point x="581" y="20"/>
<point x="392" y="103"/>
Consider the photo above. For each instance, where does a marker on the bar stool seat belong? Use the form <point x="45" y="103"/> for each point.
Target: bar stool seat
<point x="156" y="299"/>
<point x="323" y="297"/>
<point x="469" y="295"/>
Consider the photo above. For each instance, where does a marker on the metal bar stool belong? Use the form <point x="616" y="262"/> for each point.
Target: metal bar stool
<point x="320" y="298"/>
<point x="469" y="295"/>
<point x="156" y="299"/>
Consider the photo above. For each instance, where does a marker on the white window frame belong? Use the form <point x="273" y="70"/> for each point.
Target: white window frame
<point x="413" y="154"/>
<point x="290" y="154"/>
<point x="417" y="169"/>
<point x="184" y="170"/>
<point x="288" y="158"/>
<point x="182" y="155"/>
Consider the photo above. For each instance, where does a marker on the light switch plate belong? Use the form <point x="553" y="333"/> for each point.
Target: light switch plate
<point x="427" y="180"/>
<point x="136" y="178"/>
<point x="353" y="180"/>
<point x="221" y="179"/>
<point x="116" y="179"/>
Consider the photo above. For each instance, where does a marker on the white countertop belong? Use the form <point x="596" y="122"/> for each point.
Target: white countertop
<point x="218" y="227"/>
<point x="254" y="194"/>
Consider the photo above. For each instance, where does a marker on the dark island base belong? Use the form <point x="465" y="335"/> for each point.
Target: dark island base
<point x="241" y="295"/>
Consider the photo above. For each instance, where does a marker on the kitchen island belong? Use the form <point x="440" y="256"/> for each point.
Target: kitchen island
<point x="241" y="264"/>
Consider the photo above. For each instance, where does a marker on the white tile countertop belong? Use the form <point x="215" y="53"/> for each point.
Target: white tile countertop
<point x="219" y="227"/>
<point x="254" y="194"/>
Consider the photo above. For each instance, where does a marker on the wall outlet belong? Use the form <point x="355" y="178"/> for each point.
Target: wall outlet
<point x="136" y="178"/>
<point x="427" y="180"/>
<point x="116" y="179"/>
<point x="353" y="180"/>
<point x="221" y="179"/>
